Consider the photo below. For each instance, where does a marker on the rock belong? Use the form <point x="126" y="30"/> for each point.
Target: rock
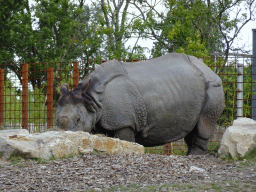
<point x="196" y="169"/>
<point x="243" y="121"/>
<point x="60" y="144"/>
<point x="238" y="139"/>
<point x="97" y="189"/>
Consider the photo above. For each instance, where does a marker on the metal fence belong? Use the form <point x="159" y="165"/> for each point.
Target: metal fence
<point x="28" y="93"/>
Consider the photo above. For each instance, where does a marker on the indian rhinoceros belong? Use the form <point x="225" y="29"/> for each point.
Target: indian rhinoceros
<point x="149" y="102"/>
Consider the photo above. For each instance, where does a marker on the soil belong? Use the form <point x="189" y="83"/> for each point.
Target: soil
<point x="147" y="172"/>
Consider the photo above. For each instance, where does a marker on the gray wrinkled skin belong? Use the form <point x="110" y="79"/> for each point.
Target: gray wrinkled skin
<point x="149" y="102"/>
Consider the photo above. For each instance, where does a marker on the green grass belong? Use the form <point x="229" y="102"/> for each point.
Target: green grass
<point x="213" y="147"/>
<point x="18" y="157"/>
<point x="155" y="150"/>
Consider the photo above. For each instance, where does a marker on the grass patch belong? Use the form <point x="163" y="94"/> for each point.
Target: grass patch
<point x="71" y="155"/>
<point x="213" y="147"/>
<point x="18" y="157"/>
<point x="98" y="152"/>
<point x="216" y="187"/>
<point x="155" y="150"/>
<point x="251" y="155"/>
<point x="248" y="160"/>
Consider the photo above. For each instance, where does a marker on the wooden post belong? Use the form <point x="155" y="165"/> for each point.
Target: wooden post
<point x="75" y="74"/>
<point x="1" y="97"/>
<point x="25" y="96"/>
<point x="49" y="97"/>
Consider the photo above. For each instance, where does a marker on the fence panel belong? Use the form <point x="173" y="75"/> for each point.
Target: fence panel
<point x="1" y="97"/>
<point x="38" y="84"/>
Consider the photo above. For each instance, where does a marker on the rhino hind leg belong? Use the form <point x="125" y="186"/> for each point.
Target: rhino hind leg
<point x="196" y="144"/>
<point x="197" y="140"/>
<point x="189" y="140"/>
<point x="126" y="134"/>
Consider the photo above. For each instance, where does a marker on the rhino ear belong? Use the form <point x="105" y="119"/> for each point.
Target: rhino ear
<point x="85" y="86"/>
<point x="90" y="101"/>
<point x="63" y="89"/>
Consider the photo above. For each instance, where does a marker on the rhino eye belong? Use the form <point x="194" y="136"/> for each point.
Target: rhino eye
<point x="78" y="119"/>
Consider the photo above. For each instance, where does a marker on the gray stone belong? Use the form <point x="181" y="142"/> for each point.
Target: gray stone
<point x="238" y="139"/>
<point x="196" y="169"/>
<point x="244" y="122"/>
<point x="60" y="144"/>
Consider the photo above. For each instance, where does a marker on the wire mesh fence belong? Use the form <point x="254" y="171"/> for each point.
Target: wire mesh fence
<point x="29" y="92"/>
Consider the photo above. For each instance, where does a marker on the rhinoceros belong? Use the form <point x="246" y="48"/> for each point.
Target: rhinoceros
<point x="149" y="102"/>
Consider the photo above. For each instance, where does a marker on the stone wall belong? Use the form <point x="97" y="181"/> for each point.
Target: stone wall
<point x="60" y="144"/>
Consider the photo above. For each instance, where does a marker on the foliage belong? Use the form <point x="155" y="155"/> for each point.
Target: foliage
<point x="208" y="24"/>
<point x="195" y="48"/>
<point x="67" y="30"/>
<point x="11" y="27"/>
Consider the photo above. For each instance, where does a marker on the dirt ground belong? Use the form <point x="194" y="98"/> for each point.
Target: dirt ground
<point x="148" y="172"/>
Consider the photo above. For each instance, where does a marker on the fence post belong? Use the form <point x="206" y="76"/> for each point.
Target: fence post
<point x="1" y="97"/>
<point x="25" y="96"/>
<point x="75" y="74"/>
<point x="49" y="97"/>
<point x="240" y="90"/>
<point x="168" y="148"/>
<point x="253" y="73"/>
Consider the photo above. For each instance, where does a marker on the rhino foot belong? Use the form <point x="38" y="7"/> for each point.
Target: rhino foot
<point x="197" y="151"/>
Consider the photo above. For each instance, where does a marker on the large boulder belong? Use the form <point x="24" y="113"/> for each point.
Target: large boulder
<point x="239" y="139"/>
<point x="60" y="144"/>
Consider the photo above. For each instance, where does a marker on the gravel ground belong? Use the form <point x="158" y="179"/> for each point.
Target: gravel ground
<point x="148" y="172"/>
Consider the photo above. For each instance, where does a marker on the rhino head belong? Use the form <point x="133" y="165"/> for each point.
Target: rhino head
<point x="76" y="110"/>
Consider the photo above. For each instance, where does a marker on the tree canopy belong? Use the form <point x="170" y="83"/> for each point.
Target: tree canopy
<point x="65" y="30"/>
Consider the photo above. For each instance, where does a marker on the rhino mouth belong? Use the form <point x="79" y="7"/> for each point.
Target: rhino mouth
<point x="66" y="124"/>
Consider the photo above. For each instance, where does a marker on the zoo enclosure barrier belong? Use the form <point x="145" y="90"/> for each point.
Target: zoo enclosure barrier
<point x="29" y="92"/>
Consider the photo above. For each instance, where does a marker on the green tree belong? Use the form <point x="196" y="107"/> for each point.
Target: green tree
<point x="49" y="30"/>
<point x="115" y="26"/>
<point x="10" y="12"/>
<point x="206" y="22"/>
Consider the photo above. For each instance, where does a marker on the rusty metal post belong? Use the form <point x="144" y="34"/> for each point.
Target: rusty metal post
<point x="168" y="148"/>
<point x="75" y="74"/>
<point x="1" y="97"/>
<point x="49" y="97"/>
<point x="25" y="96"/>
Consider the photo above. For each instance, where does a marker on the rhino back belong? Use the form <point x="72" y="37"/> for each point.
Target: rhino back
<point x="173" y="91"/>
<point x="207" y="73"/>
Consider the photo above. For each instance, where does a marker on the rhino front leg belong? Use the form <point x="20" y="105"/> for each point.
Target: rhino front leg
<point x="126" y="134"/>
